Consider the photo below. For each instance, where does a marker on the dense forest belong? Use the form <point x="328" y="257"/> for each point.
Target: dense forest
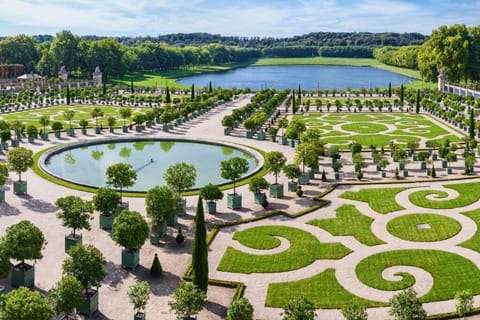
<point x="454" y="49"/>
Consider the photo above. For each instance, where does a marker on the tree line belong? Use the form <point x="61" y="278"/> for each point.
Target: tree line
<point x="317" y="39"/>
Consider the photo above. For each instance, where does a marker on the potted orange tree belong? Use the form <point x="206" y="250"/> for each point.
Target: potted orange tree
<point x="130" y="230"/>
<point x="75" y="213"/>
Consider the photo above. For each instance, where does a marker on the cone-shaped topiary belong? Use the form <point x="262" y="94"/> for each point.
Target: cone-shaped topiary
<point x="156" y="269"/>
<point x="324" y="176"/>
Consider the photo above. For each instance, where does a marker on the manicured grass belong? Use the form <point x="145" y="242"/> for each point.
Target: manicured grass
<point x="474" y="242"/>
<point x="381" y="200"/>
<point x="304" y="249"/>
<point x="468" y="194"/>
<point x="364" y="128"/>
<point x="451" y="273"/>
<point x="322" y="289"/>
<point x="349" y="222"/>
<point x="31" y="117"/>
<point x="168" y="78"/>
<point x="407" y="227"/>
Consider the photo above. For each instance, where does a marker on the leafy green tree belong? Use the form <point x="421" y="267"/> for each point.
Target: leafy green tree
<point x="15" y="306"/>
<point x="125" y="113"/>
<point x="274" y="162"/>
<point x="358" y="162"/>
<point x="180" y="176"/>
<point x="3" y="173"/>
<point x="96" y="113"/>
<point x="66" y="296"/>
<point x="24" y="241"/>
<point x="257" y="184"/>
<point x="160" y="203"/>
<point x="105" y="200"/>
<point x="292" y="171"/>
<point x="210" y="192"/>
<point x="86" y="264"/>
<point x="200" y="250"/>
<point x="20" y="49"/>
<point x="406" y="306"/>
<point x="4" y="260"/>
<point x="121" y="175"/>
<point x="306" y="155"/>
<point x="68" y="116"/>
<point x="75" y="213"/>
<point x="233" y="169"/>
<point x="130" y="230"/>
<point x="188" y="300"/>
<point x="299" y="309"/>
<point x="109" y="55"/>
<point x="138" y="295"/>
<point x="295" y="128"/>
<point x="464" y="302"/>
<point x="44" y="121"/>
<point x="240" y="309"/>
<point x="19" y="160"/>
<point x="354" y="311"/>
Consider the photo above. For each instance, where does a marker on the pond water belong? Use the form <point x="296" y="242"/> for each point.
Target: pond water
<point x="87" y="164"/>
<point x="309" y="77"/>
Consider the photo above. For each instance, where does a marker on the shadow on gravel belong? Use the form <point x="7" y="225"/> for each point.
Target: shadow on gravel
<point x="217" y="309"/>
<point x="38" y="205"/>
<point x="8" y="210"/>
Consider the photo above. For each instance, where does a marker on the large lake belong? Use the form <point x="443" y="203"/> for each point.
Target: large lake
<point x="309" y="77"/>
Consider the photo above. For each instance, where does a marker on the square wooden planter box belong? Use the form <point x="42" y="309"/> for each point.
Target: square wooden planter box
<point x="106" y="222"/>
<point x="304" y="178"/>
<point x="234" y="201"/>
<point x="226" y="131"/>
<point x="2" y="195"/>
<point x="292" y="186"/>
<point x="23" y="275"/>
<point x="124" y="129"/>
<point x="283" y="141"/>
<point x="97" y="130"/>
<point x="172" y="220"/>
<point x="130" y="259"/>
<point x="211" y="207"/>
<point x="249" y="134"/>
<point x="165" y="127"/>
<point x="90" y="303"/>
<point x="182" y="208"/>
<point x="157" y="232"/>
<point x="71" y="241"/>
<point x="71" y="132"/>
<point x="276" y="190"/>
<point x="84" y="131"/>
<point x="20" y="187"/>
<point x="139" y="316"/>
<point x="44" y="136"/>
<point x="259" y="198"/>
<point x="57" y="134"/>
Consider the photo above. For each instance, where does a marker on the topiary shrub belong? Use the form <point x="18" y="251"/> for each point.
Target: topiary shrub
<point x="180" y="237"/>
<point x="156" y="269"/>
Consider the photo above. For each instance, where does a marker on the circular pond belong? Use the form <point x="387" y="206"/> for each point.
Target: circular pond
<point x="86" y="163"/>
<point x="424" y="227"/>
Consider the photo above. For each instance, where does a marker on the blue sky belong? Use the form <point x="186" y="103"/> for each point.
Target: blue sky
<point x="269" y="18"/>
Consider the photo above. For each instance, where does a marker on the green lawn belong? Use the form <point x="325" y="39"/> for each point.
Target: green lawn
<point x="451" y="273"/>
<point x="468" y="194"/>
<point x="304" y="249"/>
<point x="168" y="78"/>
<point x="371" y="129"/>
<point x="322" y="289"/>
<point x="349" y="222"/>
<point x="381" y="200"/>
<point x="474" y="242"/>
<point x="31" y="117"/>
<point x="408" y="227"/>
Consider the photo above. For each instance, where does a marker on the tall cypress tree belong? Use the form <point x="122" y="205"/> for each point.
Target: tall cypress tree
<point x="192" y="94"/>
<point x="402" y="93"/>
<point x="68" y="94"/>
<point x="471" y="128"/>
<point x="131" y="86"/>
<point x="389" y="89"/>
<point x="294" y="105"/>
<point x="210" y="88"/>
<point x="200" y="250"/>
<point x="417" y="103"/>
<point x="299" y="95"/>
<point x="167" y="96"/>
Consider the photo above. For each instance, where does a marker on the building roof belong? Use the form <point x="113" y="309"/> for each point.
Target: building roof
<point x="28" y="76"/>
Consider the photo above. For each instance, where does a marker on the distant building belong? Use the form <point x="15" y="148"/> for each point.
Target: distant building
<point x="97" y="77"/>
<point x="34" y="77"/>
<point x="63" y="74"/>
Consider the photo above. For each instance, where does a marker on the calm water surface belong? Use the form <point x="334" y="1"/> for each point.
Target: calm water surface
<point x="87" y="165"/>
<point x="309" y="77"/>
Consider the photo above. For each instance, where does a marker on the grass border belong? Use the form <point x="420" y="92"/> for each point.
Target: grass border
<point x="40" y="172"/>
